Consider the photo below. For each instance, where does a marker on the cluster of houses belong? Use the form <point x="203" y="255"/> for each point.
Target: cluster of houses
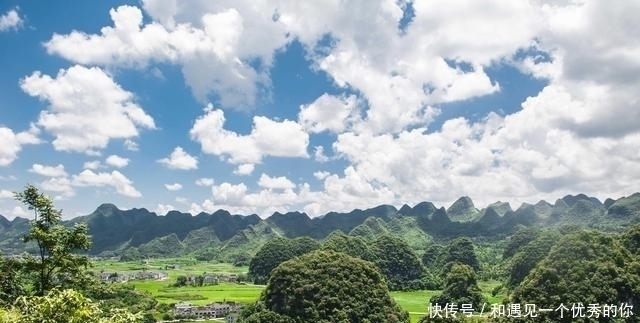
<point x="114" y="277"/>
<point x="228" y="310"/>
<point x="212" y="279"/>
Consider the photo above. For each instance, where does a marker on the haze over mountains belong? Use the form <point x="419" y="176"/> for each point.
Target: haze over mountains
<point x="138" y="233"/>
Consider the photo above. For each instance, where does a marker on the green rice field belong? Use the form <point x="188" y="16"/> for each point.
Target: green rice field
<point x="415" y="302"/>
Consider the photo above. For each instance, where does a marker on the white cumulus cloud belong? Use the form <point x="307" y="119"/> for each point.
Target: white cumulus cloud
<point x="49" y="171"/>
<point x="269" y="182"/>
<point x="244" y="169"/>
<point x="204" y="181"/>
<point x="112" y="114"/>
<point x="117" y="161"/>
<point x="179" y="159"/>
<point x="10" y="20"/>
<point x="267" y="138"/>
<point x="12" y="143"/>
<point x="173" y="187"/>
<point x="115" y="179"/>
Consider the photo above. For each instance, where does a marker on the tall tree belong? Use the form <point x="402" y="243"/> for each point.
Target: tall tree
<point x="56" y="264"/>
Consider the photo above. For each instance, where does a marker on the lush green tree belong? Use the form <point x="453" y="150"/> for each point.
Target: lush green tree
<point x="461" y="251"/>
<point x="181" y="281"/>
<point x="582" y="267"/>
<point x="114" y="296"/>
<point x="56" y="264"/>
<point x="433" y="255"/>
<point x="66" y="306"/>
<point x="519" y="239"/>
<point x="353" y="246"/>
<point x="11" y="280"/>
<point x="398" y="263"/>
<point x="324" y="287"/>
<point x="461" y="287"/>
<point x="529" y="255"/>
<point x="275" y="252"/>
<point x="241" y="259"/>
<point x="631" y="239"/>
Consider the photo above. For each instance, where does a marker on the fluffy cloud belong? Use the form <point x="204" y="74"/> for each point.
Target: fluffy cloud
<point x="6" y="194"/>
<point x="269" y="182"/>
<point x="115" y="179"/>
<point x="113" y="113"/>
<point x="244" y="169"/>
<point x="49" y="171"/>
<point x="173" y="187"/>
<point x="328" y="113"/>
<point x="62" y="186"/>
<point x="10" y="20"/>
<point x="12" y="143"/>
<point x="265" y="139"/>
<point x="581" y="133"/>
<point x="94" y="164"/>
<point x="211" y="50"/>
<point x="130" y="145"/>
<point x="229" y="194"/>
<point x="179" y="159"/>
<point x="117" y="161"/>
<point x="163" y="209"/>
<point x="204" y="181"/>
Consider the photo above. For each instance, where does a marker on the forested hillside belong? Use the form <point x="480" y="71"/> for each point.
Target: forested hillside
<point x="138" y="233"/>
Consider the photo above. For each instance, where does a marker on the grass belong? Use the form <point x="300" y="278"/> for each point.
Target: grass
<point x="415" y="302"/>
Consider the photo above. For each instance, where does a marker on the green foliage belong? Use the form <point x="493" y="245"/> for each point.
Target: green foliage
<point x="461" y="287"/>
<point x="352" y="246"/>
<point x="631" y="239"/>
<point x="529" y="255"/>
<point x="519" y="239"/>
<point x="115" y="296"/>
<point x="582" y="267"/>
<point x="241" y="259"/>
<point x="461" y="251"/>
<point x="55" y="265"/>
<point x="162" y="247"/>
<point x="433" y="255"/>
<point x="12" y="280"/>
<point x="275" y="252"/>
<point x="398" y="263"/>
<point x="325" y="286"/>
<point x="66" y="306"/>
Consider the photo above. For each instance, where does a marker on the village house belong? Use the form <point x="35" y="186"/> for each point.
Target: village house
<point x="113" y="277"/>
<point x="209" y="311"/>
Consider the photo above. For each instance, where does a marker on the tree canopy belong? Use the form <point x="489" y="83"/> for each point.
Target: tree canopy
<point x="66" y="306"/>
<point x="353" y="246"/>
<point x="398" y="263"/>
<point x="461" y="287"/>
<point x="582" y="267"/>
<point x="275" y="252"/>
<point x="56" y="264"/>
<point x="323" y="287"/>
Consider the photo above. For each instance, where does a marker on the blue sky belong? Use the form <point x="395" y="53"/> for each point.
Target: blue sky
<point x="257" y="107"/>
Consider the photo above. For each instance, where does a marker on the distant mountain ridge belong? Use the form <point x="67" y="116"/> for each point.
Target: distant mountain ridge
<point x="142" y="233"/>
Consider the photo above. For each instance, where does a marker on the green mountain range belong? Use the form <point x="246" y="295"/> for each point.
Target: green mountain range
<point x="138" y="233"/>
